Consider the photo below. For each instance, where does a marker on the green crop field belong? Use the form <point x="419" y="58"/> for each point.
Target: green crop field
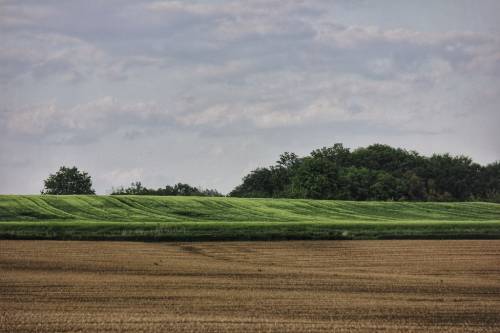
<point x="149" y="218"/>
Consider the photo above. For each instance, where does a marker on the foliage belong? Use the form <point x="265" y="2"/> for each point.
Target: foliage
<point x="68" y="181"/>
<point x="376" y="172"/>
<point x="136" y="188"/>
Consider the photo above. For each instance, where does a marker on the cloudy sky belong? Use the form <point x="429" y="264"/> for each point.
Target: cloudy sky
<point x="205" y="91"/>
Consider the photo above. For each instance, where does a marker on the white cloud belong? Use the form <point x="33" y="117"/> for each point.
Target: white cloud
<point x="90" y="120"/>
<point x="181" y="6"/>
<point x="14" y="14"/>
<point x="40" y="55"/>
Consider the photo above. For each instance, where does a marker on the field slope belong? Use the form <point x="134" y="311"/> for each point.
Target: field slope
<point x="200" y="218"/>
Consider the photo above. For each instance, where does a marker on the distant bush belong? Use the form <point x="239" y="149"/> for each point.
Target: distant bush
<point x="181" y="189"/>
<point x="376" y="172"/>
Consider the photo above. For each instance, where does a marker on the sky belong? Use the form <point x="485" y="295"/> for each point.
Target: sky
<point x="203" y="92"/>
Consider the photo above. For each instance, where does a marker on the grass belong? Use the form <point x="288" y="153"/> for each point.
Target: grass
<point x="149" y="218"/>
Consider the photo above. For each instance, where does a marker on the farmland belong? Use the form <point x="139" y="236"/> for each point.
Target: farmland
<point x="293" y="286"/>
<point x="149" y="218"/>
<point x="412" y="284"/>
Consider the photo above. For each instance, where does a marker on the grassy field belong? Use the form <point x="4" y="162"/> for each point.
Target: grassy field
<point x="150" y="218"/>
<point x="296" y="286"/>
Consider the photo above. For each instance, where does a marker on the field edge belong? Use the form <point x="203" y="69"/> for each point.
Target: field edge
<point x="221" y="231"/>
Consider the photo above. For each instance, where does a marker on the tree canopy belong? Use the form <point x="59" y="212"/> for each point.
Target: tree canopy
<point x="376" y="172"/>
<point x="68" y="181"/>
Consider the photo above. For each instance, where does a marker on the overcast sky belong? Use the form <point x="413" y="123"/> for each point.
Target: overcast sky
<point x="205" y="91"/>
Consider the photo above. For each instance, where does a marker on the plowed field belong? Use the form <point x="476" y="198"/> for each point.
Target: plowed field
<point x="292" y="286"/>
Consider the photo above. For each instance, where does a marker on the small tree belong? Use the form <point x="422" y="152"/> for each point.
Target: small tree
<point x="68" y="181"/>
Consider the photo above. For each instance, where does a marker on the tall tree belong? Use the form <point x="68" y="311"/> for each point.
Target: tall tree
<point x="68" y="181"/>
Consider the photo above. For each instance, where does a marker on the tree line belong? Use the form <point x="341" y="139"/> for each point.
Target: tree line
<point x="73" y="181"/>
<point x="376" y="172"/>
<point x="136" y="188"/>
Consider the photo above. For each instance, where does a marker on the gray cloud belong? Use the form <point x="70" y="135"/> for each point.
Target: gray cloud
<point x="83" y="123"/>
<point x="185" y="83"/>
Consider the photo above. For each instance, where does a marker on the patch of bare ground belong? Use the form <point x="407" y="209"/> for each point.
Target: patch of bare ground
<point x="296" y="286"/>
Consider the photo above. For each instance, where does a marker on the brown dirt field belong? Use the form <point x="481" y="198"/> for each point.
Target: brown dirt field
<point x="299" y="286"/>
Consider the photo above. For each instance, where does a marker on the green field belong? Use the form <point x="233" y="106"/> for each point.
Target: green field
<point x="150" y="218"/>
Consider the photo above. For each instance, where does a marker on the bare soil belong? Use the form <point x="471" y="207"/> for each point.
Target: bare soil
<point x="294" y="286"/>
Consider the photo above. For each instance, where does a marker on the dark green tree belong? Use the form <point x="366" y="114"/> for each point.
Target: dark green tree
<point x="257" y="184"/>
<point x="337" y="153"/>
<point x="68" y="181"/>
<point x="453" y="177"/>
<point x="488" y="186"/>
<point x="316" y="178"/>
<point x="181" y="189"/>
<point x="376" y="172"/>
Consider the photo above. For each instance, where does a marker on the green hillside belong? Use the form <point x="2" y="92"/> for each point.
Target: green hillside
<point x="204" y="218"/>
